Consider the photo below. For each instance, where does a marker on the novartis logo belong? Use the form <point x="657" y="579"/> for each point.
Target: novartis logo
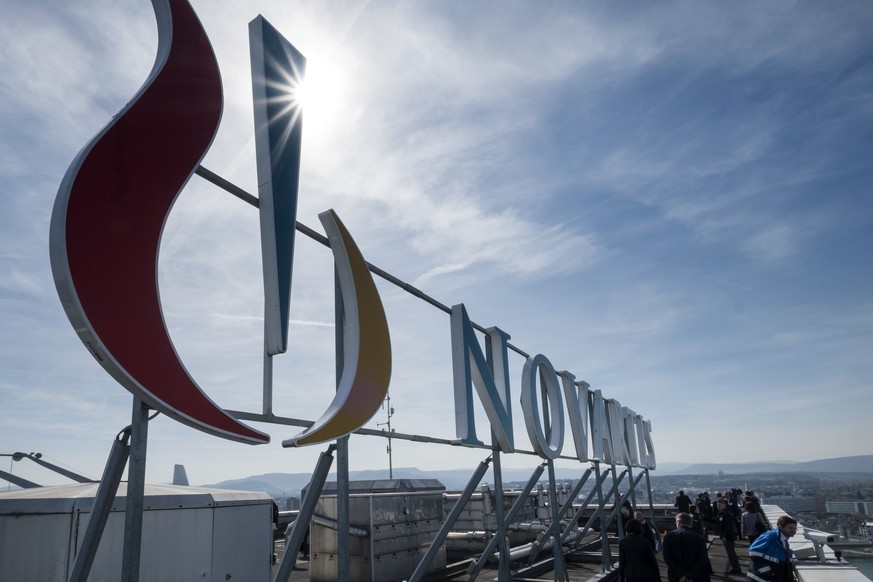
<point x="105" y="236"/>
<point x="115" y="197"/>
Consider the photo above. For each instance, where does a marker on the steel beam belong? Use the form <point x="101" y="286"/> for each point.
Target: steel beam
<point x="477" y="566"/>
<point x="20" y="481"/>
<point x="649" y="491"/>
<point x="133" y="508"/>
<point x="555" y="531"/>
<point x="59" y="470"/>
<point x="597" y="513"/>
<point x="307" y="509"/>
<point x="605" y="563"/>
<point x="503" y="572"/>
<point x="562" y="511"/>
<point x="115" y="464"/>
<point x="443" y="532"/>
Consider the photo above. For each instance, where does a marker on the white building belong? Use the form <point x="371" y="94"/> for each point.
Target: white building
<point x="852" y="507"/>
<point x="792" y="503"/>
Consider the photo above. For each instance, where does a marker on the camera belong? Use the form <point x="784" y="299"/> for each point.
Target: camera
<point x="819" y="537"/>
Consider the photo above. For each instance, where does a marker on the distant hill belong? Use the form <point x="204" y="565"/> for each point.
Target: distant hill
<point x="856" y="464"/>
<point x="290" y="484"/>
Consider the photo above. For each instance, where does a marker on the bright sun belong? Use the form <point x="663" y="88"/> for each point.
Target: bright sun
<point x="321" y="96"/>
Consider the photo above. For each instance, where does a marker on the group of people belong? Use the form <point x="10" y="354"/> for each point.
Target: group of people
<point x="685" y="549"/>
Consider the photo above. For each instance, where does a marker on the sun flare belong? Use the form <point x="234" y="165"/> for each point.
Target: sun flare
<point x="321" y="97"/>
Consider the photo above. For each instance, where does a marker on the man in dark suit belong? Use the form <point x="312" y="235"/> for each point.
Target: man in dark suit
<point x="683" y="503"/>
<point x="636" y="557"/>
<point x="727" y="531"/>
<point x="685" y="553"/>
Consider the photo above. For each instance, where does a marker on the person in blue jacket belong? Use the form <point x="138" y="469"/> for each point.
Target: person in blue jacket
<point x="770" y="556"/>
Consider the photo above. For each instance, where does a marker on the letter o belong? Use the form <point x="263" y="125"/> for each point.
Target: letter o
<point x="548" y="440"/>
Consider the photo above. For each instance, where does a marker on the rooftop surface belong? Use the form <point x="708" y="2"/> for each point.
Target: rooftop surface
<point x="808" y="568"/>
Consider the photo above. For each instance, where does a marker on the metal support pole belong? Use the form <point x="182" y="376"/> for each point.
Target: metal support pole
<point x="605" y="561"/>
<point x="139" y="433"/>
<point x="582" y="508"/>
<point x="562" y="511"/>
<point x="443" y="532"/>
<point x="615" y="514"/>
<point x="557" y="549"/>
<point x="267" y="405"/>
<point x="510" y="517"/>
<point x="568" y="504"/>
<point x="20" y="481"/>
<point x="633" y="482"/>
<point x="503" y="572"/>
<point x="649" y="491"/>
<point x="632" y="490"/>
<point x="343" y="564"/>
<point x="619" y="522"/>
<point x="102" y="505"/>
<point x="599" y="513"/>
<point x="342" y="510"/>
<point x="307" y="509"/>
<point x="59" y="470"/>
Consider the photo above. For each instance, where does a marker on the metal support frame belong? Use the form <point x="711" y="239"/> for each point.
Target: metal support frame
<point x="503" y="572"/>
<point x="615" y="514"/>
<point x="267" y="405"/>
<point x="649" y="491"/>
<point x="343" y="564"/>
<point x="440" y="537"/>
<point x="307" y="509"/>
<point x="555" y="530"/>
<point x="477" y="566"/>
<point x="567" y="505"/>
<point x="115" y="464"/>
<point x="500" y="540"/>
<point x="536" y="567"/>
<point x="604" y="524"/>
<point x="36" y="458"/>
<point x="632" y="490"/>
<point x="571" y="523"/>
<point x="20" y="481"/>
<point x="139" y="432"/>
<point x="597" y="513"/>
<point x="634" y="481"/>
<point x="619" y="522"/>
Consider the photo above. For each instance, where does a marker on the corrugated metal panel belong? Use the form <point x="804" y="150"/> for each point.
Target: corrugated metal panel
<point x="189" y="533"/>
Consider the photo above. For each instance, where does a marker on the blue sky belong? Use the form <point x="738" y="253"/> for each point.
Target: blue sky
<point x="671" y="200"/>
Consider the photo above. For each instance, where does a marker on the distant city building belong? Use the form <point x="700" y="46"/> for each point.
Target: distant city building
<point x="791" y="503"/>
<point x="853" y="507"/>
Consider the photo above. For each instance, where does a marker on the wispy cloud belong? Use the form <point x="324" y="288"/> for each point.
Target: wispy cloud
<point x="672" y="202"/>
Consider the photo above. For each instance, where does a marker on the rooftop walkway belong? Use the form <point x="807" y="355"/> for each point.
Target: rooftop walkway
<point x="808" y="567"/>
<point x="580" y="569"/>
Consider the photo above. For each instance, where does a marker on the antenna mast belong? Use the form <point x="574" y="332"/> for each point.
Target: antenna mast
<point x="390" y="431"/>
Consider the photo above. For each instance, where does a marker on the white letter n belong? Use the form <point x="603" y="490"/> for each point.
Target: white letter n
<point x="471" y="368"/>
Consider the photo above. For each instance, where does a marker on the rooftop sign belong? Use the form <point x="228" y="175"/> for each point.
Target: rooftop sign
<point x="105" y="236"/>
